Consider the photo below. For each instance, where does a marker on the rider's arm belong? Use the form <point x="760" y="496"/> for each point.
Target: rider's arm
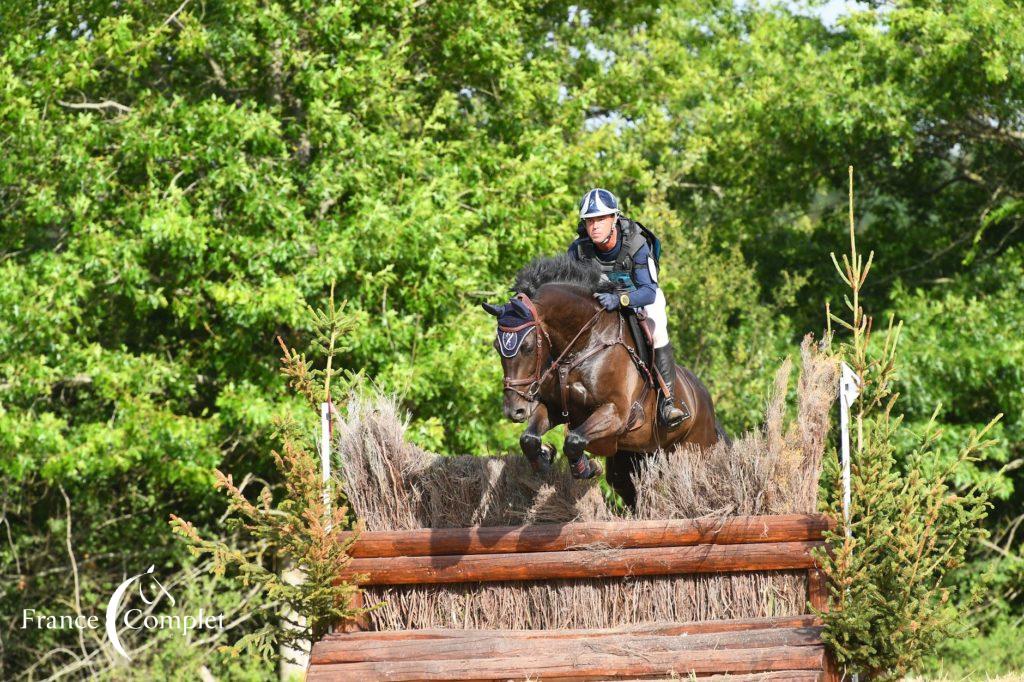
<point x="646" y="288"/>
<point x="574" y="249"/>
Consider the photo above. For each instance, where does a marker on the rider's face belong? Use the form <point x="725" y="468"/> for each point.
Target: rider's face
<point x="600" y="227"/>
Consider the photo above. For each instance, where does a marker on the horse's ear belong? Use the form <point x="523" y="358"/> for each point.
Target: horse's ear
<point x="492" y="309"/>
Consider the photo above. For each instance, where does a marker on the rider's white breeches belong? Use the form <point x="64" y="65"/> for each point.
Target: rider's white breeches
<point x="659" y="318"/>
<point x="656" y="311"/>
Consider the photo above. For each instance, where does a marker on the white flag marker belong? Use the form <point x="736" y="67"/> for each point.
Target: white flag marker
<point x="325" y="451"/>
<point x="849" y="389"/>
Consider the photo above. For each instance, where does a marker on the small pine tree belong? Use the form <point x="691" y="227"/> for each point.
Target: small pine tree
<point x="305" y="527"/>
<point x="908" y="529"/>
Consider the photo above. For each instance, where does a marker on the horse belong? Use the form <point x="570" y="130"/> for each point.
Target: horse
<point x="566" y="360"/>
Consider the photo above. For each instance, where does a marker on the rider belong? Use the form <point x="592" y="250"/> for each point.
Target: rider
<point x="620" y="248"/>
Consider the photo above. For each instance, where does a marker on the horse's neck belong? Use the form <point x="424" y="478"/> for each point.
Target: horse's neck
<point x="564" y="315"/>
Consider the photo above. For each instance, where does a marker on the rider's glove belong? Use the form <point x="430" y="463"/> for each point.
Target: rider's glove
<point x="609" y="300"/>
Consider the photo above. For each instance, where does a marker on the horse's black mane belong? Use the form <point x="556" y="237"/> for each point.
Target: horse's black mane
<point x="563" y="269"/>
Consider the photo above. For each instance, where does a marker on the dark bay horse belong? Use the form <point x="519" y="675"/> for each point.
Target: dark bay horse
<point x="567" y="361"/>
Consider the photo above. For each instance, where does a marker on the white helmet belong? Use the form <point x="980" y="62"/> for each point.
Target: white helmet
<point x="598" y="202"/>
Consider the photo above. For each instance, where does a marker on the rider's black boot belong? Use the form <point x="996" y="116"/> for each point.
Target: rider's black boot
<point x="664" y="360"/>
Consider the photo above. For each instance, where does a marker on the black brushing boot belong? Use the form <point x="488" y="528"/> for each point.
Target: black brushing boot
<point x="583" y="467"/>
<point x="664" y="361"/>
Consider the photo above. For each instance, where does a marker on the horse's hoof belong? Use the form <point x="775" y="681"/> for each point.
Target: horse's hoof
<point x="545" y="458"/>
<point x="547" y="453"/>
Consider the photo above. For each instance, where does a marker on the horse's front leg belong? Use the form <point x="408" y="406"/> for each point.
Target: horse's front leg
<point x="603" y="423"/>
<point x="539" y="455"/>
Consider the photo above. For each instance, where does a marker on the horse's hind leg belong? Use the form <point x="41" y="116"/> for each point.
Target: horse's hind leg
<point x="617" y="469"/>
<point x="621" y="468"/>
<point x="722" y="435"/>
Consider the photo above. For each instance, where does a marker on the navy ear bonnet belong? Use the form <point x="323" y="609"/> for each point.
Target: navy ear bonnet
<point x="514" y="324"/>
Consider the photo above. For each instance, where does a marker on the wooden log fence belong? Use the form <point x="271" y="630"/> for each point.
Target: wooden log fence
<point x="763" y="649"/>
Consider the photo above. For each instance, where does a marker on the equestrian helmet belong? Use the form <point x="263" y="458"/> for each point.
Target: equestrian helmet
<point x="598" y="202"/>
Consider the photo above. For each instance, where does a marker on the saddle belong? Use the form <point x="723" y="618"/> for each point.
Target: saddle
<point x="643" y="336"/>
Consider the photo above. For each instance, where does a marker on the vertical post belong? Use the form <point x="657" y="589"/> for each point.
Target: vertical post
<point x="817" y="595"/>
<point x="325" y="452"/>
<point x="294" y="660"/>
<point x="358" y="623"/>
<point x="295" y="576"/>
<point x="849" y="389"/>
<point x="817" y="589"/>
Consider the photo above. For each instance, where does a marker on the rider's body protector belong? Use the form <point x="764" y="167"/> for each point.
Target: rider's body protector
<point x="629" y="265"/>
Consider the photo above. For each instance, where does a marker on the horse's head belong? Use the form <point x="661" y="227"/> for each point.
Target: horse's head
<point x="523" y="344"/>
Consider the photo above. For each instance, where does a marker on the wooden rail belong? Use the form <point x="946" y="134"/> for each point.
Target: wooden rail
<point x="751" y="646"/>
<point x="585" y="550"/>
<point x="565" y="536"/>
<point x="665" y="629"/>
<point x="606" y="563"/>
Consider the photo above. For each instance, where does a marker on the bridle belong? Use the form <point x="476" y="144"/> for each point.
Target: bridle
<point x="534" y="381"/>
<point x="539" y="376"/>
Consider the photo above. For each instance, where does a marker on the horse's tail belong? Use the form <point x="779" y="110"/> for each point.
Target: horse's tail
<point x="722" y="435"/>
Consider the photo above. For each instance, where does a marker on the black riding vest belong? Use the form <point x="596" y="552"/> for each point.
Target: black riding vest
<point x="619" y="271"/>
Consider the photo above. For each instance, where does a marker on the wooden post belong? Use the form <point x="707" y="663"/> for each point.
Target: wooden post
<point x="359" y="623"/>
<point x="817" y="589"/>
<point x="817" y="595"/>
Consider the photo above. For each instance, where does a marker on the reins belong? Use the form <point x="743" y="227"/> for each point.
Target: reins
<point x="537" y="379"/>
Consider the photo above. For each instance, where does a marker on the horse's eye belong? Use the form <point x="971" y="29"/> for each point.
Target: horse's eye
<point x="528" y="346"/>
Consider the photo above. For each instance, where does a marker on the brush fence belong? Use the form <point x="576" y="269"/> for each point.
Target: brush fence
<point x="756" y="649"/>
